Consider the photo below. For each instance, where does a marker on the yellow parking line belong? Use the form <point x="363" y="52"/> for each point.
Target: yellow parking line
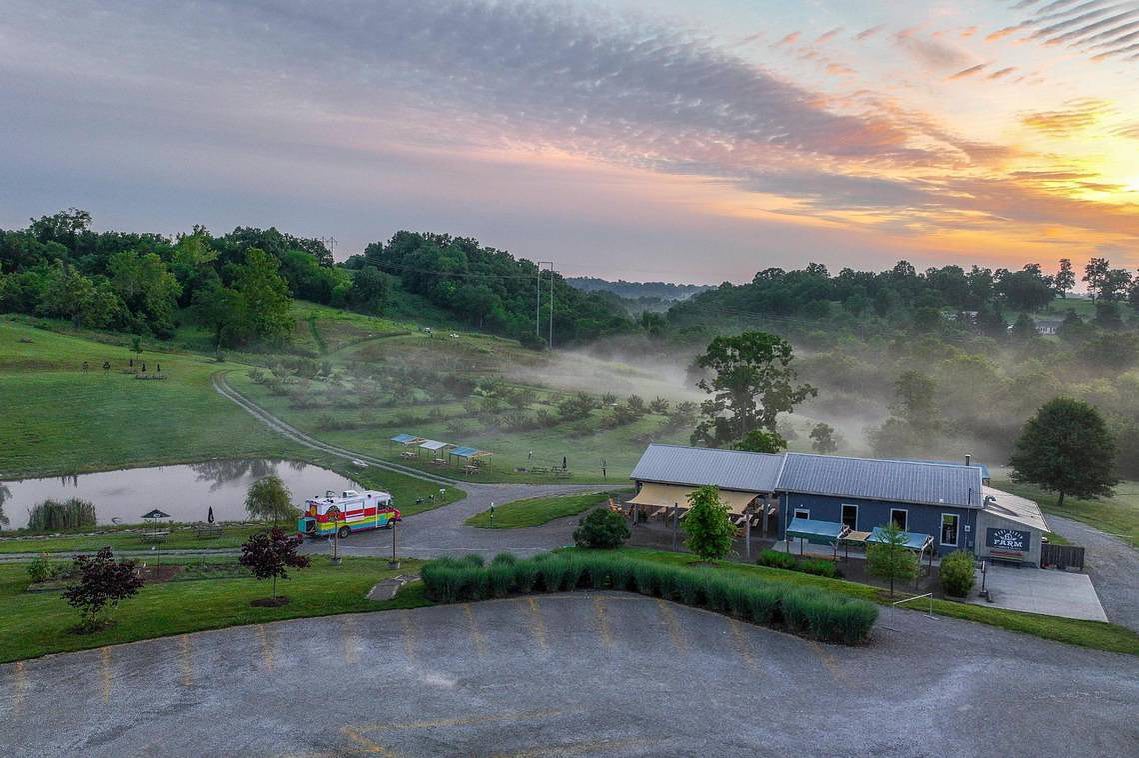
<point x="348" y="631"/>
<point x="600" y="612"/>
<point x="19" y="687"/>
<point x="537" y="625"/>
<point x="186" y="660"/>
<point x="105" y="672"/>
<point x="741" y="642"/>
<point x="674" y="633"/>
<point x="469" y="721"/>
<point x="266" y="646"/>
<point x="408" y="634"/>
<point x="364" y="744"/>
<point x="578" y="748"/>
<point x="476" y="636"/>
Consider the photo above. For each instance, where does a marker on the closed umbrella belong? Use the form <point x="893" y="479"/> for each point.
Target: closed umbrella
<point x="210" y="515"/>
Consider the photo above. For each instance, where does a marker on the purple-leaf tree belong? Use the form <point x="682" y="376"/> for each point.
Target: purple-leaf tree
<point x="103" y="582"/>
<point x="269" y="555"/>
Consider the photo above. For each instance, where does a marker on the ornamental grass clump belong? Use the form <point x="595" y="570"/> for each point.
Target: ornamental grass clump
<point x="810" y="613"/>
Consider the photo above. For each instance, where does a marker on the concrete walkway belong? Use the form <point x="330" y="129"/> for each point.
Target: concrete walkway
<point x="1047" y="591"/>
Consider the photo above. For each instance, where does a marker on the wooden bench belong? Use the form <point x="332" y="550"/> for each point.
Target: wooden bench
<point x="208" y="531"/>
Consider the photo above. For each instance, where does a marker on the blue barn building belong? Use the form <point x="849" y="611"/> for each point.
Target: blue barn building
<point x="950" y="503"/>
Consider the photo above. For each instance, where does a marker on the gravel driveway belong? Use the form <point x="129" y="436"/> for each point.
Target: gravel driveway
<point x="1113" y="566"/>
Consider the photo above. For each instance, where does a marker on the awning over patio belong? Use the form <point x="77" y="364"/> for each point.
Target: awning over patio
<point x="468" y="452"/>
<point x="914" y="540"/>
<point x="668" y="495"/>
<point x="816" y="532"/>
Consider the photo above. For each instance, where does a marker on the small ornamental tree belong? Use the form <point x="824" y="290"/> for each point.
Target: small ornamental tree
<point x="268" y="499"/>
<point x="103" y="583"/>
<point x="956" y="573"/>
<point x="601" y="528"/>
<point x="708" y="526"/>
<point x="269" y="555"/>
<point x="1067" y="448"/>
<point x="890" y="559"/>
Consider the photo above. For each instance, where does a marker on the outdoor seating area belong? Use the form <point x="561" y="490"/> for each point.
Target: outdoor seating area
<point x="469" y="459"/>
<point x="208" y="531"/>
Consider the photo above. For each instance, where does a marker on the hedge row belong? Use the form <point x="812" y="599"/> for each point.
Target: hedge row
<point x="808" y="613"/>
<point x="816" y="566"/>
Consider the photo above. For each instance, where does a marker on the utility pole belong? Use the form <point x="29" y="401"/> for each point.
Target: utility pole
<point x="538" y="307"/>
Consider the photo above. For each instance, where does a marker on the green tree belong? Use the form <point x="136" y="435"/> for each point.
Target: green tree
<point x="265" y="295"/>
<point x="369" y="290"/>
<point x="1024" y="328"/>
<point x="1066" y="448"/>
<point x="708" y="529"/>
<point x="890" y="559"/>
<point x="823" y="438"/>
<point x="268" y="499"/>
<point x="1065" y="278"/>
<point x="761" y="441"/>
<point x="753" y="383"/>
<point x="1094" y="273"/>
<point x="222" y="310"/>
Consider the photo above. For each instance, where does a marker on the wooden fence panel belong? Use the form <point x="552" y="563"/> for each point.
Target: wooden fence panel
<point x="1062" y="556"/>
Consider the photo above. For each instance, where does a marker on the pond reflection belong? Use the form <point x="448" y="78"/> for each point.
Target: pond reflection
<point x="186" y="492"/>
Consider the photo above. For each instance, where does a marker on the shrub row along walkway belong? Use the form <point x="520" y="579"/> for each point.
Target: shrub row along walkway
<point x="441" y="530"/>
<point x="584" y="673"/>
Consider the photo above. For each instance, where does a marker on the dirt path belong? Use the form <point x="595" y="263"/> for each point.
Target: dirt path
<point x="440" y="530"/>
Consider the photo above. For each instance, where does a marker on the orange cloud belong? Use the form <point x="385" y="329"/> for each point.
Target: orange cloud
<point x="1002" y="33"/>
<point x="964" y="73"/>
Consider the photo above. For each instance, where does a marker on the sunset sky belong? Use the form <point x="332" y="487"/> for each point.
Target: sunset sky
<point x="675" y="140"/>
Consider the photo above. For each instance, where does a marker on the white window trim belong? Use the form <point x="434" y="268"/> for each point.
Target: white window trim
<point x="795" y="513"/>
<point x="844" y="506"/>
<point x="906" y="511"/>
<point x="956" y="533"/>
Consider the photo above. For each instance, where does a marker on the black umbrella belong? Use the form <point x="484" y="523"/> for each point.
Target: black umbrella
<point x="210" y="515"/>
<point x="563" y="463"/>
<point x="154" y="516"/>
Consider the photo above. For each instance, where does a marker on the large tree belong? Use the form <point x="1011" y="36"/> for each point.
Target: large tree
<point x="265" y="295"/>
<point x="752" y="383"/>
<point x="1067" y="448"/>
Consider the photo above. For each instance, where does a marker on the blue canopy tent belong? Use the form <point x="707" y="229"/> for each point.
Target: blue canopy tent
<point x="406" y="439"/>
<point x="469" y="455"/>
<point x="816" y="532"/>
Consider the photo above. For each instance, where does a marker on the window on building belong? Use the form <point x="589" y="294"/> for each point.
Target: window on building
<point x="850" y="516"/>
<point x="949" y="525"/>
<point x="900" y="517"/>
<point x="802" y="513"/>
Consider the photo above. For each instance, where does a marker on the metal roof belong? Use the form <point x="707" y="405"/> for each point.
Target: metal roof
<point x="872" y="479"/>
<point x="697" y="466"/>
<point x="984" y="468"/>
<point x="1015" y="508"/>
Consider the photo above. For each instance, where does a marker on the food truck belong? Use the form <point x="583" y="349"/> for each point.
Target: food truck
<point x="349" y="512"/>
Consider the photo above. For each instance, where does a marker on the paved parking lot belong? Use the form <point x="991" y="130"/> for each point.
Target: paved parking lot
<point x="1047" y="591"/>
<point x="580" y="674"/>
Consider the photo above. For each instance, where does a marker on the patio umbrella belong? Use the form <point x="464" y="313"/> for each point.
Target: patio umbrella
<point x="210" y="515"/>
<point x="153" y="518"/>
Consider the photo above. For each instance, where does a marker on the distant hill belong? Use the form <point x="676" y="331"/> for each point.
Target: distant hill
<point x="637" y="290"/>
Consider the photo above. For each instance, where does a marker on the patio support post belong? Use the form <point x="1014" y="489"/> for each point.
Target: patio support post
<point x="675" y="522"/>
<point x="747" y="535"/>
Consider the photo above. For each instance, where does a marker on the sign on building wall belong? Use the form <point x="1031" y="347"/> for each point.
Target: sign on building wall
<point x="1007" y="539"/>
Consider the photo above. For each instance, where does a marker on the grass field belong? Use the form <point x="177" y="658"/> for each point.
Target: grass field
<point x="59" y="420"/>
<point x="1117" y="515"/>
<point x="179" y="539"/>
<point x="1093" y="634"/>
<point x="34" y="624"/>
<point x="539" y="510"/>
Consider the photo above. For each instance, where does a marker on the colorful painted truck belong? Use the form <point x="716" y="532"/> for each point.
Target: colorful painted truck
<point x="351" y="512"/>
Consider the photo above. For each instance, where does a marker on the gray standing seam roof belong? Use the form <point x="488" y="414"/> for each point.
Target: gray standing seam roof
<point x="831" y="475"/>
<point x="894" y="481"/>
<point x="727" y="469"/>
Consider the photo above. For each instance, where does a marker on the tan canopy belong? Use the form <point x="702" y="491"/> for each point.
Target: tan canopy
<point x="668" y="495"/>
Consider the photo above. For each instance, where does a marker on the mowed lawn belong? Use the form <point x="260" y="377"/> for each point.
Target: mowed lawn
<point x="1093" y="634"/>
<point x="38" y="623"/>
<point x="1118" y="515"/>
<point x="179" y="539"/>
<point x="536" y="511"/>
<point x="58" y="419"/>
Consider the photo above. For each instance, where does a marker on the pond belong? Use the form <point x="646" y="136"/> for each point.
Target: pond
<point x="186" y="492"/>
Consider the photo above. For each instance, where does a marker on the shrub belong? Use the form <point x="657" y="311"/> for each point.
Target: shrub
<point x="41" y="569"/>
<point x="507" y="558"/>
<point x="816" y="566"/>
<point x="819" y="615"/>
<point x="777" y="559"/>
<point x="708" y="526"/>
<point x="956" y="574"/>
<point x="601" y="528"/>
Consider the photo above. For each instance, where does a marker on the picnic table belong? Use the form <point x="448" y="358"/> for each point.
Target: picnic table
<point x="208" y="531"/>
<point x="407" y="454"/>
<point x="152" y="536"/>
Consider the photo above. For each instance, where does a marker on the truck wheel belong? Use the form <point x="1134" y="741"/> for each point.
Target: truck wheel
<point x="344" y="532"/>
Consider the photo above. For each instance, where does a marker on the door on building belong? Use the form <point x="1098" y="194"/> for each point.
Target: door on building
<point x="900" y="517"/>
<point x="850" y="516"/>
